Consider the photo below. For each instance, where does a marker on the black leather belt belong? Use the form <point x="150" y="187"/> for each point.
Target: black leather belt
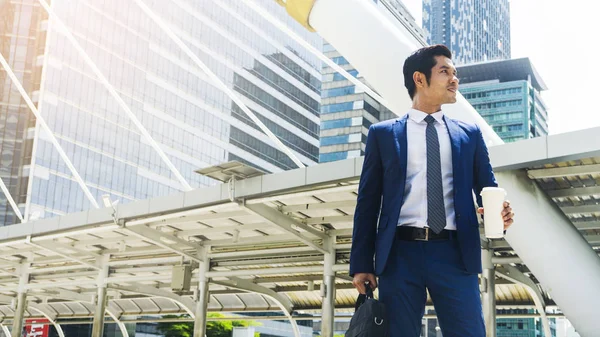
<point x="406" y="233"/>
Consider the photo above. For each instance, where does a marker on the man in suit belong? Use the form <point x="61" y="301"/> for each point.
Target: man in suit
<point x="415" y="224"/>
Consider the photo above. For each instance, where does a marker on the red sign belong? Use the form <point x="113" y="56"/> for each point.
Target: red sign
<point x="37" y="328"/>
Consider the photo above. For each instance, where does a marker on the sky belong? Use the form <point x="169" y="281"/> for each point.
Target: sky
<point x="560" y="37"/>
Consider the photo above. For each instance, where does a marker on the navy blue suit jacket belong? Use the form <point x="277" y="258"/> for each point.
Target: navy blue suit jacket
<point x="381" y="192"/>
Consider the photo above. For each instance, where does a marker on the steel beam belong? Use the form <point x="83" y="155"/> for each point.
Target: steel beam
<point x="55" y="244"/>
<point x="254" y="240"/>
<point x="569" y="171"/>
<point x="164" y="240"/>
<point x="574" y="192"/>
<point x="288" y="224"/>
<point x="200" y="218"/>
<point x="69" y="295"/>
<point x="351" y="187"/>
<point x="253" y="262"/>
<point x="318" y="206"/>
<point x="328" y="219"/>
<point x="220" y="230"/>
<point x="515" y="275"/>
<point x="592" y="239"/>
<point x="66" y="256"/>
<point x="585" y="225"/>
<point x="581" y="209"/>
<point x="317" y="287"/>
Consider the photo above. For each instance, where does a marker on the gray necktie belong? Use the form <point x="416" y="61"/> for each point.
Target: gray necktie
<point x="436" y="211"/>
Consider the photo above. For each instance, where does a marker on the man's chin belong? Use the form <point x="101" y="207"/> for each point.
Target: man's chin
<point x="451" y="100"/>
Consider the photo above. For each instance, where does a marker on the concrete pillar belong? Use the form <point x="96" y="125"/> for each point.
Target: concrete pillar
<point x="488" y="292"/>
<point x="21" y="304"/>
<point x="203" y="297"/>
<point x="98" y="325"/>
<point x="328" y="289"/>
<point x="101" y="300"/>
<point x="17" y="327"/>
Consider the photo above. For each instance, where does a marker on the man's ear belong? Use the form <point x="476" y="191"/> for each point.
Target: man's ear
<point x="419" y="79"/>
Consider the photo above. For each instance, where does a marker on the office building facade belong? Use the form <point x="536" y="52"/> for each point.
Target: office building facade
<point x="474" y="30"/>
<point x="346" y="110"/>
<point x="195" y="123"/>
<point x="21" y="41"/>
<point x="522" y="327"/>
<point x="507" y="94"/>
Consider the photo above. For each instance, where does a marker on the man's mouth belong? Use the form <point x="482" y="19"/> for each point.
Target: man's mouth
<point x="452" y="89"/>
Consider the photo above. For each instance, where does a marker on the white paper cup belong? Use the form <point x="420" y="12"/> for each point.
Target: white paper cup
<point x="493" y="204"/>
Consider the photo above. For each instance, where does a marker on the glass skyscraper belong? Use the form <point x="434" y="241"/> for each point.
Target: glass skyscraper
<point x="21" y="41"/>
<point x="507" y="95"/>
<point x="347" y="111"/>
<point x="474" y="30"/>
<point x="195" y="123"/>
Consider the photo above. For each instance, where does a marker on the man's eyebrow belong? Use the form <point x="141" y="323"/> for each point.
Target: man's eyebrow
<point x="447" y="67"/>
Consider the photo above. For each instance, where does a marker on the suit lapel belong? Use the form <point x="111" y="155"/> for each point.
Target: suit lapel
<point x="401" y="142"/>
<point x="455" y="136"/>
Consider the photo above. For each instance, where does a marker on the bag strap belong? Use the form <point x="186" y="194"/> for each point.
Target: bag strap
<point x="369" y="291"/>
<point x="362" y="298"/>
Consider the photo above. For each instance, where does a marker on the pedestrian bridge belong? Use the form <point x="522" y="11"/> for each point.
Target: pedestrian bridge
<point x="261" y="243"/>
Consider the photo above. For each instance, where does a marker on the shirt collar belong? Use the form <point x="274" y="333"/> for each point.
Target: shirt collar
<point x="419" y="116"/>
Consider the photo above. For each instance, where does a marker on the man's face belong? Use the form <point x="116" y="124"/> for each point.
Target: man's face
<point x="443" y="85"/>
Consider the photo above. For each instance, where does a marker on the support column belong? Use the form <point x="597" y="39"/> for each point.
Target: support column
<point x="21" y="304"/>
<point x="98" y="324"/>
<point x="488" y="291"/>
<point x="328" y="289"/>
<point x="202" y="298"/>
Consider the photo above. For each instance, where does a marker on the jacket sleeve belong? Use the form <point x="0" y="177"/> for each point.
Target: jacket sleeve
<point x="483" y="175"/>
<point x="367" y="208"/>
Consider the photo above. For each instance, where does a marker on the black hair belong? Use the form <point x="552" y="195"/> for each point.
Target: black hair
<point x="423" y="60"/>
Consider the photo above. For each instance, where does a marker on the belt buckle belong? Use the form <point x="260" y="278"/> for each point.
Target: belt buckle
<point x="426" y="235"/>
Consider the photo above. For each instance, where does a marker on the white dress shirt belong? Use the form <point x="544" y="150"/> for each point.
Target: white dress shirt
<point x="414" y="208"/>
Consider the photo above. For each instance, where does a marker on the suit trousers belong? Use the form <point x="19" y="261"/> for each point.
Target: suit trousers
<point x="415" y="267"/>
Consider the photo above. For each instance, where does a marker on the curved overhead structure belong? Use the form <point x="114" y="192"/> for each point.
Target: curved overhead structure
<point x="185" y="302"/>
<point x="5" y="330"/>
<point x="51" y="317"/>
<point x="120" y="324"/>
<point x="513" y="274"/>
<point x="284" y="303"/>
